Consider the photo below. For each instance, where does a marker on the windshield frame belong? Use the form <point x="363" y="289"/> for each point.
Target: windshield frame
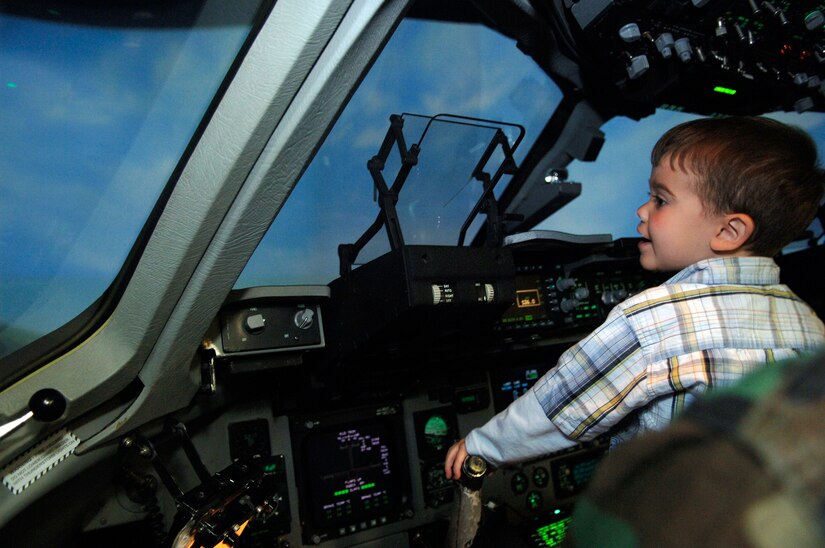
<point x="145" y="361"/>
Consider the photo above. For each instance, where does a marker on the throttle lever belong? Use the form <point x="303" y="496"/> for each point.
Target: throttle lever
<point x="467" y="509"/>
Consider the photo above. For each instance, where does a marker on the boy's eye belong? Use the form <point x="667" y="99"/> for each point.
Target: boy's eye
<point x="657" y="200"/>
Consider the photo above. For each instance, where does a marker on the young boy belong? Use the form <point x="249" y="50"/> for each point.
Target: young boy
<point x="725" y="196"/>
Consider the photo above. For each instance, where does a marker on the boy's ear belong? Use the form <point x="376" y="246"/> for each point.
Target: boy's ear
<point x="734" y="232"/>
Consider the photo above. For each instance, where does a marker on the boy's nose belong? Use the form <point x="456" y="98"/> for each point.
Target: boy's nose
<point x="641" y="212"/>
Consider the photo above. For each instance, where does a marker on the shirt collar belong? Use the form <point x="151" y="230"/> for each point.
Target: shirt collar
<point x="731" y="270"/>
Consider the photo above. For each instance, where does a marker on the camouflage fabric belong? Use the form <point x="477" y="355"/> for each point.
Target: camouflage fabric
<point x="745" y="466"/>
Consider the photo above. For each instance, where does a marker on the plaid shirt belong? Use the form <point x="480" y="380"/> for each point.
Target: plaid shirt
<point x="708" y="325"/>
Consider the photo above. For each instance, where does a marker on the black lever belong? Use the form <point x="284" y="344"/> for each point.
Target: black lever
<point x="45" y="405"/>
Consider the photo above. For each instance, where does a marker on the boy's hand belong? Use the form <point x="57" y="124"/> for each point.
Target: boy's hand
<point x="455" y="458"/>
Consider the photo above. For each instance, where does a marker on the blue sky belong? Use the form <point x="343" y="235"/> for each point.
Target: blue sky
<point x="426" y="68"/>
<point x="94" y="121"/>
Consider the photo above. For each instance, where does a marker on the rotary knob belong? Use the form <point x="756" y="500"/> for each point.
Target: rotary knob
<point x="485" y="293"/>
<point x="563" y="284"/>
<point x="255" y="323"/>
<point x="569" y="305"/>
<point x="304" y="318"/>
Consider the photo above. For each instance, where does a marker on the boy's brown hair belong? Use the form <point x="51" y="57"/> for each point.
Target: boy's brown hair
<point x="752" y="165"/>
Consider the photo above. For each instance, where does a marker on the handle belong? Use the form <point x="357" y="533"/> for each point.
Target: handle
<point x="45" y="405"/>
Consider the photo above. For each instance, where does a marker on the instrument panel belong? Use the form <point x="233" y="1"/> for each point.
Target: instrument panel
<point x="708" y="57"/>
<point x="272" y="319"/>
<point x="368" y="467"/>
<point x="553" y="296"/>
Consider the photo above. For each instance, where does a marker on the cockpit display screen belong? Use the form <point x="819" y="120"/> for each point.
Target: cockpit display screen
<point x="356" y="473"/>
<point x="529" y="305"/>
<point x="510" y="383"/>
<point x="353" y="472"/>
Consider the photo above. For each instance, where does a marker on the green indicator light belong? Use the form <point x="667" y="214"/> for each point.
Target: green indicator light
<point x="528" y="318"/>
<point x="468" y="399"/>
<point x="270" y="467"/>
<point x="552" y="534"/>
<point x="557" y="511"/>
<point x="367" y="486"/>
<point x="11" y="85"/>
<point x="726" y="91"/>
<point x="341" y="492"/>
<point x="534" y="501"/>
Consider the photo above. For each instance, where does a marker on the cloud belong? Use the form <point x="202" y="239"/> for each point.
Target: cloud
<point x="809" y="121"/>
<point x="98" y="125"/>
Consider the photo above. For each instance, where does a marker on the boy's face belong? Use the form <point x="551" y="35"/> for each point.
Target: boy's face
<point x="676" y="230"/>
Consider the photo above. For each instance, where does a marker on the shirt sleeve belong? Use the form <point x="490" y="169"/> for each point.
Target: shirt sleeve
<point x="583" y="396"/>
<point x="520" y="432"/>
<point x="593" y="383"/>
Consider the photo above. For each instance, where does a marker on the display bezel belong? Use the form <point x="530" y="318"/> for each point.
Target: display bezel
<point x="313" y="438"/>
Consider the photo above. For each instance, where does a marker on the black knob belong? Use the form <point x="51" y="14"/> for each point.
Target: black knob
<point x="473" y="470"/>
<point x="47" y="405"/>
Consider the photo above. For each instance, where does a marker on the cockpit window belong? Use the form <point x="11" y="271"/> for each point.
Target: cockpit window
<point x="427" y="68"/>
<point x="98" y="104"/>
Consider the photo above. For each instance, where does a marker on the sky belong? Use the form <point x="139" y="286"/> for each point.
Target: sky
<point x="426" y="68"/>
<point x="94" y="121"/>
